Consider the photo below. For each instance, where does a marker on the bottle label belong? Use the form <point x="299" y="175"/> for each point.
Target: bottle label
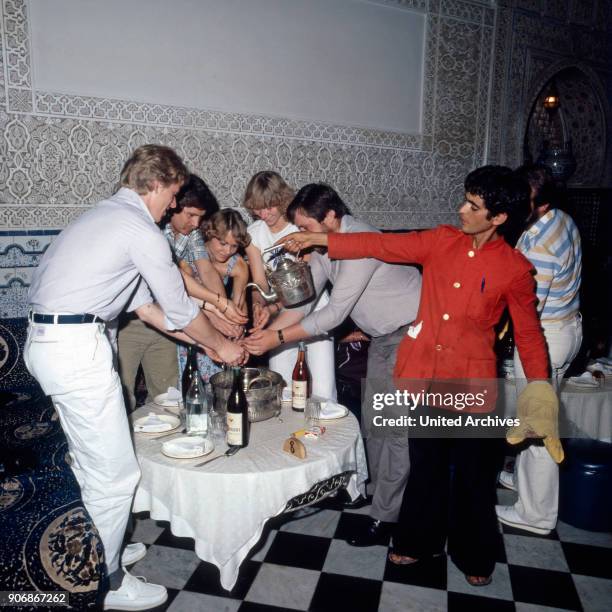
<point x="299" y="390"/>
<point x="234" y="429"/>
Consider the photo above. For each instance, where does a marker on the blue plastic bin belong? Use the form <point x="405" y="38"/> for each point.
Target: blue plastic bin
<point x="585" y="485"/>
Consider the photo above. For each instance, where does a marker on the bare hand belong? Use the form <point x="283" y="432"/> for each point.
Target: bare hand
<point x="261" y="316"/>
<point x="261" y="341"/>
<point x="235" y="314"/>
<point x="355" y="336"/>
<point x="230" y="352"/>
<point x="236" y="319"/>
<point x="228" y="329"/>
<point x="298" y="241"/>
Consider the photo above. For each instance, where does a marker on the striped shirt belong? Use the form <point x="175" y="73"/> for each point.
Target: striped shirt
<point x="552" y="245"/>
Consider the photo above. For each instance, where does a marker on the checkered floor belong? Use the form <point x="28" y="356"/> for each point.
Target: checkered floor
<point x="304" y="563"/>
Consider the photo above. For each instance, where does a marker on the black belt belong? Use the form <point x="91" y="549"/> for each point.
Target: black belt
<point x="64" y="319"/>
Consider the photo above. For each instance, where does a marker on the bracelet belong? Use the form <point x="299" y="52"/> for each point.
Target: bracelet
<point x="218" y="299"/>
<point x="281" y="338"/>
<point x="226" y="306"/>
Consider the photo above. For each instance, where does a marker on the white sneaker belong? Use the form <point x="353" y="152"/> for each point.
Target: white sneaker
<point x="506" y="479"/>
<point x="509" y="516"/>
<point x="135" y="593"/>
<point x="132" y="553"/>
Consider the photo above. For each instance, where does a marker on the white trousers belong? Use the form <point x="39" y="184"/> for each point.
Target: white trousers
<point x="536" y="475"/>
<point x="74" y="365"/>
<point x="320" y="358"/>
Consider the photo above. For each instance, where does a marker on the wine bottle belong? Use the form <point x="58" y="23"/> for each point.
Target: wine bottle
<point x="196" y="407"/>
<point x="237" y="413"/>
<point x="300" y="381"/>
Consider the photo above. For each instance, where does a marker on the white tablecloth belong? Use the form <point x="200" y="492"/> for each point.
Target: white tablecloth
<point x="589" y="410"/>
<point x="584" y="412"/>
<point x="224" y="506"/>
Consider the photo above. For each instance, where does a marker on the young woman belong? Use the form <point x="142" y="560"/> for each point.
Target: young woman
<point x="266" y="198"/>
<point x="224" y="233"/>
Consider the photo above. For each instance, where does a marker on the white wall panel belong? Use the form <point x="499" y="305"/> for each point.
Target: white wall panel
<point x="348" y="62"/>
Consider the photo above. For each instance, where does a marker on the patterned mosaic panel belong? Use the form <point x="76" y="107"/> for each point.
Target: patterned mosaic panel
<point x="534" y="39"/>
<point x="20" y="252"/>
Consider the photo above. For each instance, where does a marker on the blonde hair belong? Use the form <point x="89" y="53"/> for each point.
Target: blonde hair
<point x="151" y="163"/>
<point x="267" y="189"/>
<point x="224" y="221"/>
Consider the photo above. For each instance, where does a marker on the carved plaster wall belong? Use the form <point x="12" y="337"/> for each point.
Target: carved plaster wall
<point x="484" y="60"/>
<point x="535" y="40"/>
<point x="63" y="151"/>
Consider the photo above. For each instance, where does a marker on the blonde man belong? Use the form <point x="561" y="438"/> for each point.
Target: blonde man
<point x="112" y="258"/>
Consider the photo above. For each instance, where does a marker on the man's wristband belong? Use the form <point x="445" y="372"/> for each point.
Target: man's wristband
<point x="281" y="338"/>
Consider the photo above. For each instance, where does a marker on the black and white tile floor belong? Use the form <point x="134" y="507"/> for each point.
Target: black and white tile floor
<point x="304" y="563"/>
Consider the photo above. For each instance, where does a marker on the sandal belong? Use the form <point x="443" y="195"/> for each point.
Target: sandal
<point x="478" y="581"/>
<point x="405" y="560"/>
<point x="401" y="559"/>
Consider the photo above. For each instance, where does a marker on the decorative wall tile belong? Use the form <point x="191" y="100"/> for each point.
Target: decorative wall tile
<point x="462" y="10"/>
<point x="20" y="253"/>
<point x="16" y="42"/>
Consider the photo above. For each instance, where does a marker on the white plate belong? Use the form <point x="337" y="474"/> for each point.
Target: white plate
<point x="169" y="423"/>
<point x="162" y="400"/>
<point x="187" y="447"/>
<point x="334" y="418"/>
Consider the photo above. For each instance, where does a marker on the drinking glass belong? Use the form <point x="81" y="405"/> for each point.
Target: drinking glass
<point x="218" y="427"/>
<point x="312" y="413"/>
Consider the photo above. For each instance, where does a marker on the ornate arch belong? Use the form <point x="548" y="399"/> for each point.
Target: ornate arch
<point x="598" y="89"/>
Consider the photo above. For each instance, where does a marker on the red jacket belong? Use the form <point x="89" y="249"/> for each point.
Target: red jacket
<point x="464" y="293"/>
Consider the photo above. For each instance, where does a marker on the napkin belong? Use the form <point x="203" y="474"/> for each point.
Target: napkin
<point x="601" y="365"/>
<point x="185" y="446"/>
<point x="153" y="424"/>
<point x="584" y="380"/>
<point x="173" y="395"/>
<point x="332" y="410"/>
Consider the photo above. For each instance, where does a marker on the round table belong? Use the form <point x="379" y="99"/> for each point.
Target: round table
<point x="224" y="505"/>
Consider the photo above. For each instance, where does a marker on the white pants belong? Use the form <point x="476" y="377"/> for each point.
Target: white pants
<point x="536" y="475"/>
<point x="74" y="365"/>
<point x="320" y="358"/>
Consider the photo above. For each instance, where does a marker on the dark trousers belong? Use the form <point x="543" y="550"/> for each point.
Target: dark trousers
<point x="451" y="494"/>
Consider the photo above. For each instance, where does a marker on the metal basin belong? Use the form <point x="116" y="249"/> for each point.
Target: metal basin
<point x="263" y="389"/>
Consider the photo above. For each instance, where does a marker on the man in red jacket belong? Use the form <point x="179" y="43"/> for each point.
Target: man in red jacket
<point x="470" y="275"/>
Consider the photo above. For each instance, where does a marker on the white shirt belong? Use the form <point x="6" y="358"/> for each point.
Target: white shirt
<point x="263" y="237"/>
<point x="107" y="260"/>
